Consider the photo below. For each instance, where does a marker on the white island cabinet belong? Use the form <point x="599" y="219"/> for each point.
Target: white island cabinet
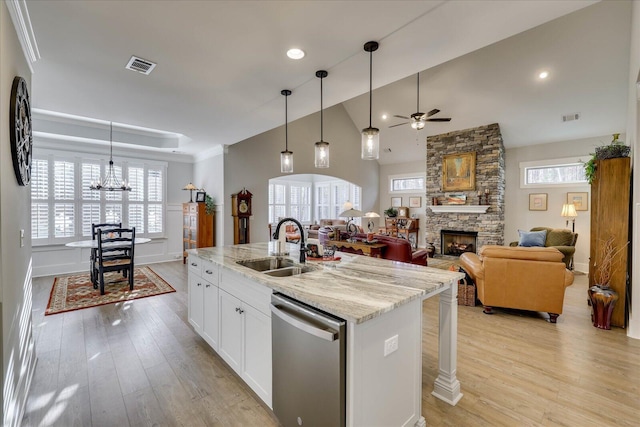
<point x="380" y="300"/>
<point x="203" y="299"/>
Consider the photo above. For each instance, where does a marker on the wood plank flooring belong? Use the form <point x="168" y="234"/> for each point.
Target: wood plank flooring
<point x="139" y="363"/>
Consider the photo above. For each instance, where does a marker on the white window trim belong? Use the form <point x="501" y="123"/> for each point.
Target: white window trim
<point x="422" y="190"/>
<point x="552" y="162"/>
<point x="52" y="155"/>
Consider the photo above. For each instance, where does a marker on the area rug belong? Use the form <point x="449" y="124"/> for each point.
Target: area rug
<point x="75" y="292"/>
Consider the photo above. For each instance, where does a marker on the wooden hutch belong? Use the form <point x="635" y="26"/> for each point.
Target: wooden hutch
<point x="198" y="228"/>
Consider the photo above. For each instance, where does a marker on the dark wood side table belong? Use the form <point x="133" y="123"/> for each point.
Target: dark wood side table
<point x="368" y="249"/>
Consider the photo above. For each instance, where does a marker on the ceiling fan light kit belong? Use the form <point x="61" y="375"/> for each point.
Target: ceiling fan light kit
<point x="286" y="156"/>
<point x="418" y="120"/>
<point x="110" y="181"/>
<point x="321" y="147"/>
<point x="370" y="135"/>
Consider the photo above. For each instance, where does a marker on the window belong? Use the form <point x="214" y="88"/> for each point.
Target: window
<point x="63" y="207"/>
<point x="413" y="183"/>
<point x="546" y="173"/>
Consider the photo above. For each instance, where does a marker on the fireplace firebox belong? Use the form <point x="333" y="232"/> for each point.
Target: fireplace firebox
<point x="456" y="242"/>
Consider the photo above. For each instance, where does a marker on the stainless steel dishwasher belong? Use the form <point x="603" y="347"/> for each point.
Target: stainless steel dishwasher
<point x="309" y="365"/>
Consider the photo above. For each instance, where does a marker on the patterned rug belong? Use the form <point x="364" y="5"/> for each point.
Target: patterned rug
<point x="75" y="292"/>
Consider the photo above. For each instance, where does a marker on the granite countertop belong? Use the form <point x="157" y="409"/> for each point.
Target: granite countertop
<point x="356" y="288"/>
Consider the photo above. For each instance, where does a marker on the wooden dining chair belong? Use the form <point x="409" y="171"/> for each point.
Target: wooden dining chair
<point x="115" y="253"/>
<point x="92" y="257"/>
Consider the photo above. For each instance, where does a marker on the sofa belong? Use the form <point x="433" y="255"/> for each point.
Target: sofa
<point x="562" y="239"/>
<point x="337" y="224"/>
<point x="397" y="249"/>
<point x="523" y="278"/>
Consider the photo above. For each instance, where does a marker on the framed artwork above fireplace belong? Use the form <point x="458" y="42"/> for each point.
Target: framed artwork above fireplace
<point x="459" y="172"/>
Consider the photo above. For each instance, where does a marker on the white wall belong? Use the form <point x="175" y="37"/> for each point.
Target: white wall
<point x="418" y="167"/>
<point x="18" y="352"/>
<point x="517" y="214"/>
<point x="251" y="163"/>
<point x="633" y="130"/>
<point x="208" y="173"/>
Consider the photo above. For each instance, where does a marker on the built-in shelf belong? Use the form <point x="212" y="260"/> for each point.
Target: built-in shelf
<point x="459" y="208"/>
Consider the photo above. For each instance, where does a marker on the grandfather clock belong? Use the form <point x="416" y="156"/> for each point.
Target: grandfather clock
<point x="241" y="211"/>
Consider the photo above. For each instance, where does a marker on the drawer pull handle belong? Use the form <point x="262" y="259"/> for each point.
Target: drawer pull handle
<point x="208" y="271"/>
<point x="240" y="311"/>
<point x="208" y="286"/>
<point x="199" y="284"/>
<point x="194" y="264"/>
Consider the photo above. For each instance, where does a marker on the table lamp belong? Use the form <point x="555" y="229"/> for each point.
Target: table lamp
<point x="569" y="212"/>
<point x="350" y="213"/>
<point x="190" y="187"/>
<point x="370" y="223"/>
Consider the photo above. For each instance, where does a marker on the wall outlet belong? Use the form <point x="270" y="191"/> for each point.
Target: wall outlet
<point x="390" y="345"/>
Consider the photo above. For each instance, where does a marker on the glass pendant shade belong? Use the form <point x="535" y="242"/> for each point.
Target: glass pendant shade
<point x="286" y="161"/>
<point x="370" y="143"/>
<point x="322" y="154"/>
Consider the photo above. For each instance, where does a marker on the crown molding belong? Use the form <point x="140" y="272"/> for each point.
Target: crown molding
<point x="22" y="23"/>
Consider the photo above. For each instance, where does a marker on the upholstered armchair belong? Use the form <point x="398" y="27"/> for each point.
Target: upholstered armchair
<point x="562" y="239"/>
<point x="523" y="278"/>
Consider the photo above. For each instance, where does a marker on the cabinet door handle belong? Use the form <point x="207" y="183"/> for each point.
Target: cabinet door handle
<point x="199" y="284"/>
<point x="240" y="311"/>
<point x="211" y="272"/>
<point x="194" y="264"/>
<point x="208" y="286"/>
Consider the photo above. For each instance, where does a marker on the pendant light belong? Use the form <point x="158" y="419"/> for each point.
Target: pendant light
<point x="322" y="147"/>
<point x="286" y="156"/>
<point x="370" y="135"/>
<point x="110" y="181"/>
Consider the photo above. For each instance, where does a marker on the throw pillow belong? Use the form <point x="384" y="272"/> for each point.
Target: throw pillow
<point x="532" y="238"/>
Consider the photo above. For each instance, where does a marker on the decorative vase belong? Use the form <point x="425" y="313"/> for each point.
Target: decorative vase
<point x="431" y="250"/>
<point x="603" y="300"/>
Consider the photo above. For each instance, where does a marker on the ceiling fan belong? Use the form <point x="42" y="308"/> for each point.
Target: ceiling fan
<point x="419" y="119"/>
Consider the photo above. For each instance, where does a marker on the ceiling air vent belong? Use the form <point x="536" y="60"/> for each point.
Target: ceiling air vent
<point x="140" y="65"/>
<point x="570" y="117"/>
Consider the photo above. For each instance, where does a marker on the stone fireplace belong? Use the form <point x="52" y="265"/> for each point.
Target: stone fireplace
<point x="456" y="242"/>
<point x="475" y="215"/>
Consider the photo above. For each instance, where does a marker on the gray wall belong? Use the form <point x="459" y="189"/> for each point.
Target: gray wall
<point x="251" y="163"/>
<point x="517" y="214"/>
<point x="18" y="352"/>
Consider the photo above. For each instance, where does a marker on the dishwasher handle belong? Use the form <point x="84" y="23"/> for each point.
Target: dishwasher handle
<point x="303" y="325"/>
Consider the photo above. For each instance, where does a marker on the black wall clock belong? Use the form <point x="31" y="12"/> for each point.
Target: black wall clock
<point x="21" y="138"/>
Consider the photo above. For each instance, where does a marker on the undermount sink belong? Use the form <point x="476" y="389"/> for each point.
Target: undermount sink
<point x="276" y="266"/>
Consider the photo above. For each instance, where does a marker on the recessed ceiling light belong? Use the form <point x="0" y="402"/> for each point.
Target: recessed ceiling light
<point x="543" y="74"/>
<point x="384" y="117"/>
<point x="295" y="53"/>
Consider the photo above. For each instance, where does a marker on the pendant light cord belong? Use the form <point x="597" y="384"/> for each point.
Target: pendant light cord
<point x="418" y="101"/>
<point x="111" y="142"/>
<point x="286" y="124"/>
<point x="370" y="84"/>
<point x="321" y="112"/>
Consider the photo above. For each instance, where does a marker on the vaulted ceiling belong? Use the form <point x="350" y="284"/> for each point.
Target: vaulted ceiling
<point x="222" y="65"/>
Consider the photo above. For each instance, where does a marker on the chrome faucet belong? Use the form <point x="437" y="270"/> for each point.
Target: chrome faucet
<point x="303" y="250"/>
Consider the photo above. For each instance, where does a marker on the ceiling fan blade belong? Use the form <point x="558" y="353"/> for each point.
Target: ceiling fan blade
<point x="401" y="117"/>
<point x="443" y="119"/>
<point x="432" y="112"/>
<point x="399" y="124"/>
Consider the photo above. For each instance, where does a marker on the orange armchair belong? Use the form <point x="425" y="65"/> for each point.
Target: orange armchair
<point x="524" y="278"/>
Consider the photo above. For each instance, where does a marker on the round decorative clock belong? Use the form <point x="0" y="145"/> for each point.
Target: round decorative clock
<point x="20" y="132"/>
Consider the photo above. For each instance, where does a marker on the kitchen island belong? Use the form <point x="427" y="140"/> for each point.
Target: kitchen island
<point x="381" y="301"/>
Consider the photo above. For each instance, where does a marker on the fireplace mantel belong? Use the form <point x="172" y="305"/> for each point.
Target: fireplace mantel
<point x="459" y="208"/>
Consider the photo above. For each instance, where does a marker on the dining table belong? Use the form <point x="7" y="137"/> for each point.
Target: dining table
<point x="94" y="243"/>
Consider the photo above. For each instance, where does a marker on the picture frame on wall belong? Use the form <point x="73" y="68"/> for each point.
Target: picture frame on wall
<point x="396" y="202"/>
<point x="459" y="172"/>
<point x="538" y="201"/>
<point x="415" y="202"/>
<point x="201" y="196"/>
<point x="580" y="200"/>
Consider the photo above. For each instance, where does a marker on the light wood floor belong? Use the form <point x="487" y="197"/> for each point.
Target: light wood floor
<point x="140" y="363"/>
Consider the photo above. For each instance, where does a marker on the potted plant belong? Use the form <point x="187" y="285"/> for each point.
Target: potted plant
<point x="391" y="212"/>
<point x="616" y="148"/>
<point x="209" y="205"/>
<point x="603" y="298"/>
